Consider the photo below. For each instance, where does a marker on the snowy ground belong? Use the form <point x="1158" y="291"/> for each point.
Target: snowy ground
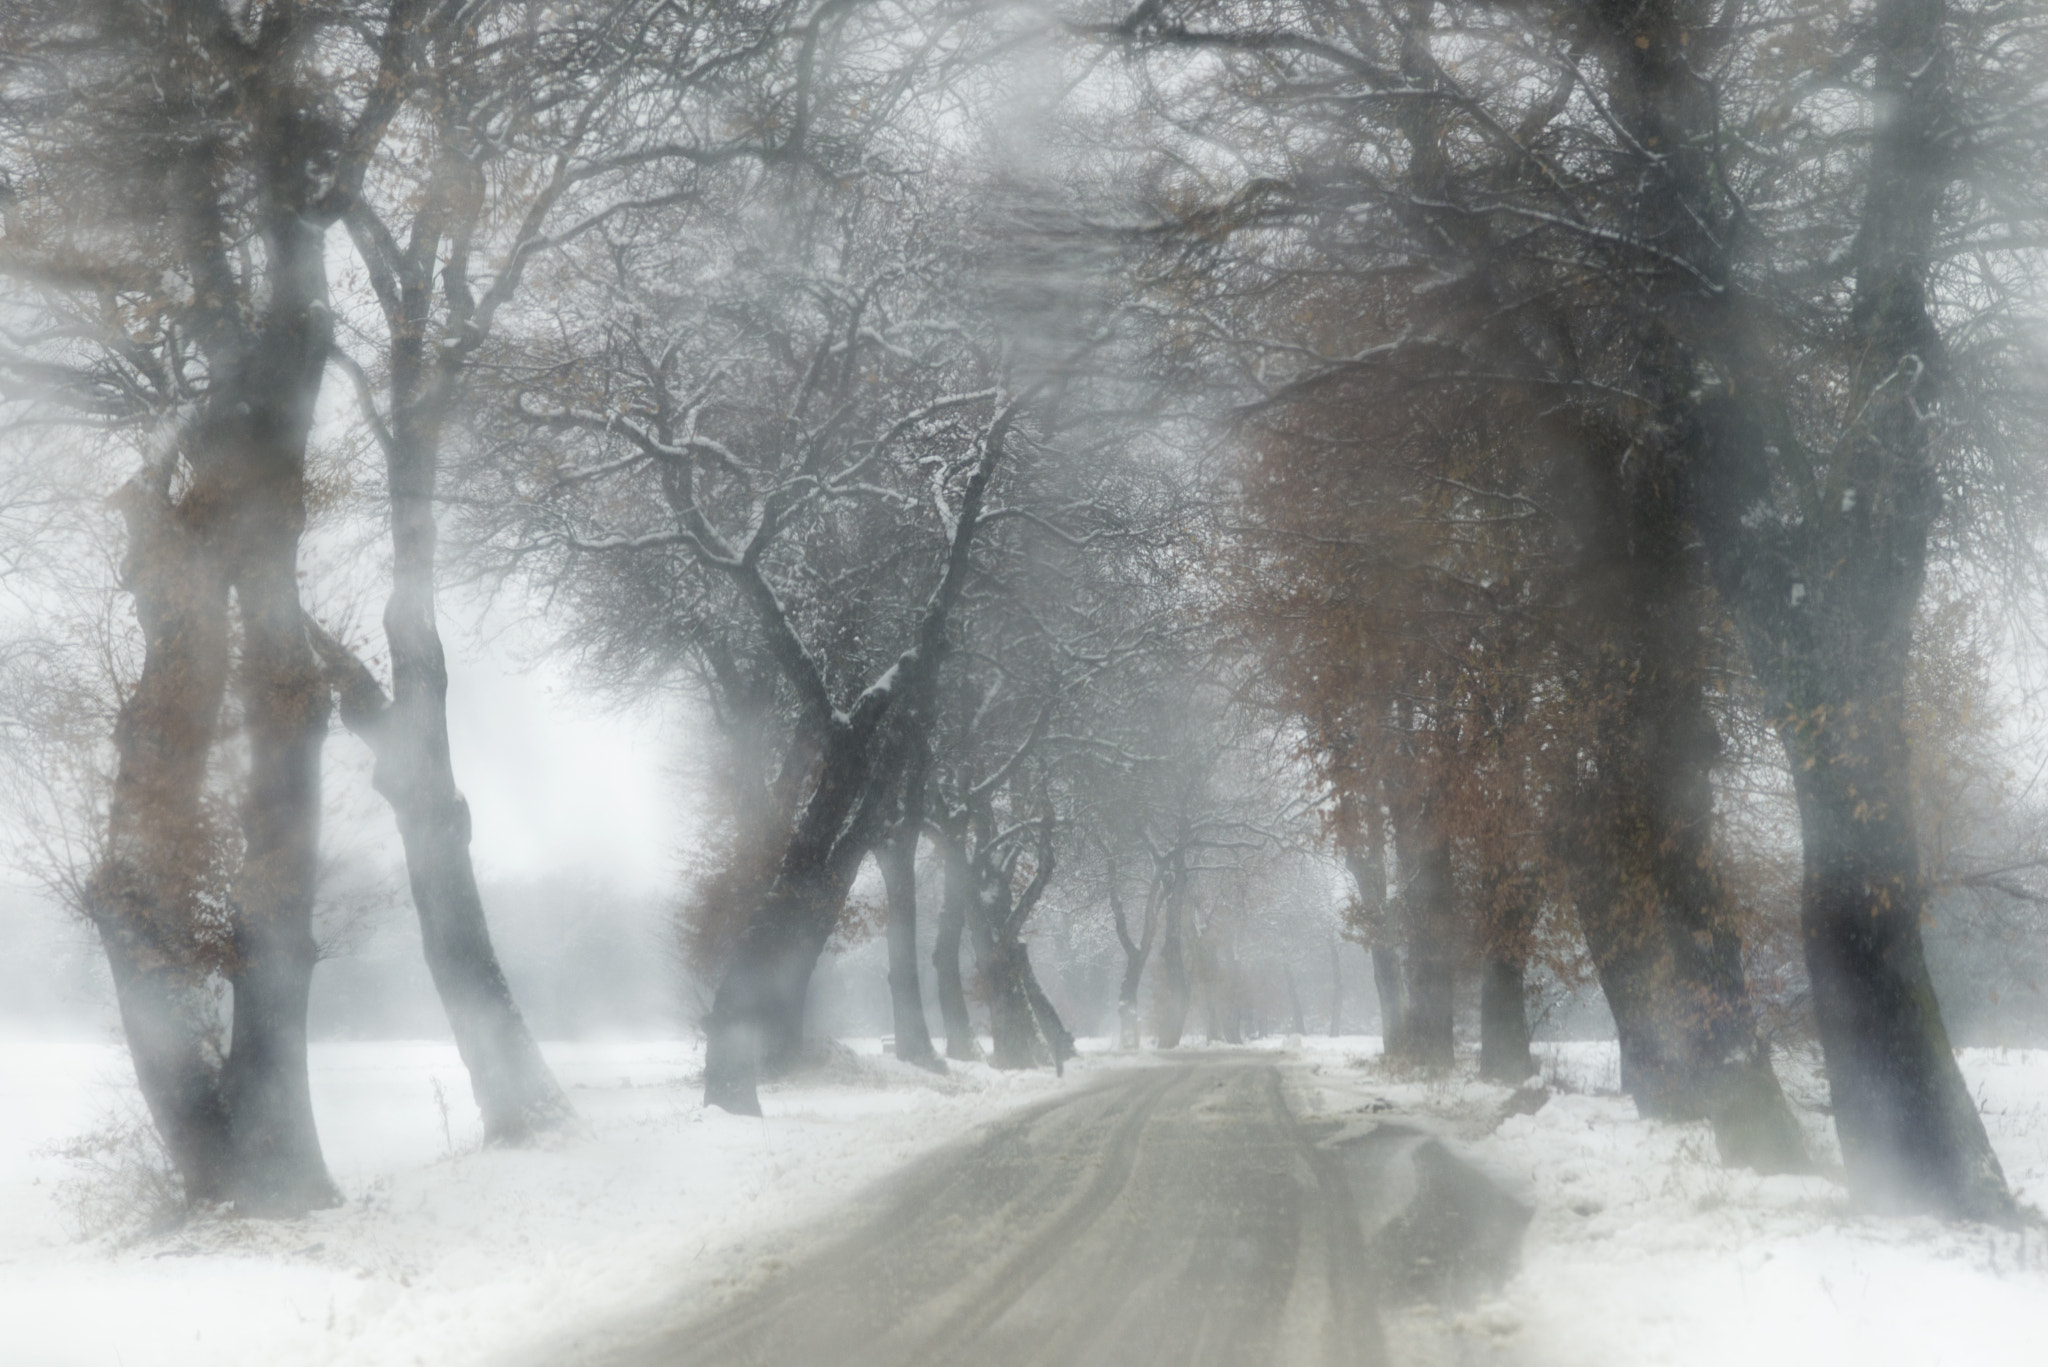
<point x="444" y="1255"/>
<point x="1643" y="1251"/>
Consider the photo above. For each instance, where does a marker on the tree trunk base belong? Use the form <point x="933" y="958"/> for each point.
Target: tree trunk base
<point x="732" y="1051"/>
<point x="1753" y="1122"/>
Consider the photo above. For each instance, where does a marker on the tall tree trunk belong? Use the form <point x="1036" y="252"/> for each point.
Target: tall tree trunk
<point x="961" y="1043"/>
<point x="1336" y="987"/>
<point x="756" y="1021"/>
<point x="1503" y="1020"/>
<point x="1294" y="1001"/>
<point x="514" y="1088"/>
<point x="1826" y="602"/>
<point x="897" y="859"/>
<point x="1136" y="952"/>
<point x="1430" y="933"/>
<point x="1510" y="915"/>
<point x="278" y="1167"/>
<point x="1000" y="963"/>
<point x="1657" y="915"/>
<point x="1174" y="992"/>
<point x="1057" y="1037"/>
<point x="261" y="421"/>
<point x="145" y="897"/>
<point x="1127" y="1009"/>
<point x="1368" y="865"/>
<point x="1902" y="1109"/>
<point x="756" y="1018"/>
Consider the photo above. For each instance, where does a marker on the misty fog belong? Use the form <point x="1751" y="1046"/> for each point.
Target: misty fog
<point x="1023" y="681"/>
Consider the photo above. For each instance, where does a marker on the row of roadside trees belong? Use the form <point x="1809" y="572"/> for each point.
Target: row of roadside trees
<point x="1108" y="449"/>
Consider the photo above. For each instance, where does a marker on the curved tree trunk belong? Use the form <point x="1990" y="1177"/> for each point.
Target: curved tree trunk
<point x="144" y="897"/>
<point x="1054" y="1030"/>
<point x="1657" y="915"/>
<point x="756" y="1020"/>
<point x="1000" y="975"/>
<point x="1826" y="603"/>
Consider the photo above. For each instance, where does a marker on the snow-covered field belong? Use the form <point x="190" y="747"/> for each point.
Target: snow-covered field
<point x="444" y="1254"/>
<point x="1644" y="1252"/>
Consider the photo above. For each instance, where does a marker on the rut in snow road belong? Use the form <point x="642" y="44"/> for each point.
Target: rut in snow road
<point x="1171" y="1215"/>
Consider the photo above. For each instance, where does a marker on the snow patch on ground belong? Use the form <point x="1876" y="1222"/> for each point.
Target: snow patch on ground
<point x="445" y="1253"/>
<point x="1645" y="1252"/>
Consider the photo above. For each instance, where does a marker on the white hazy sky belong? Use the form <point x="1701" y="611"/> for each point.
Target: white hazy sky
<point x="556" y="782"/>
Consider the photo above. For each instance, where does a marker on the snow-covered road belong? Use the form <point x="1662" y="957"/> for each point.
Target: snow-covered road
<point x="1643" y="1251"/>
<point x="1173" y="1215"/>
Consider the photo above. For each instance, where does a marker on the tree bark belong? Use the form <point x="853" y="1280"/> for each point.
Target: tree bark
<point x="146" y="896"/>
<point x="1657" y="916"/>
<point x="1503" y="1021"/>
<point x="278" y="1168"/>
<point x="1294" y="1001"/>
<point x="514" y="1088"/>
<point x="999" y="957"/>
<point x="1174" y="995"/>
<point x="961" y="1044"/>
<point x="1368" y="865"/>
<point x="756" y="1018"/>
<point x="1826" y="603"/>
<point x="1429" y="931"/>
<point x="1136" y="952"/>
<point x="897" y="859"/>
<point x="1057" y="1037"/>
<point x="1337" y="987"/>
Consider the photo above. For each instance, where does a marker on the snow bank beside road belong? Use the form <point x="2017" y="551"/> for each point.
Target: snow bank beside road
<point x="446" y="1255"/>
<point x="1646" y="1253"/>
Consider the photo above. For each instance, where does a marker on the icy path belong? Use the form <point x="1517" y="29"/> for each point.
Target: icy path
<point x="1175" y="1215"/>
<point x="445" y="1255"/>
<point x="1644" y="1253"/>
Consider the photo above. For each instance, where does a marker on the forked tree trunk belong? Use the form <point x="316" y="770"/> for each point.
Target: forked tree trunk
<point x="1000" y="963"/>
<point x="756" y="1021"/>
<point x="144" y="897"/>
<point x="897" y="859"/>
<point x="1657" y="916"/>
<point x="1137" y="951"/>
<point x="757" y="1016"/>
<point x="1054" y="1030"/>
